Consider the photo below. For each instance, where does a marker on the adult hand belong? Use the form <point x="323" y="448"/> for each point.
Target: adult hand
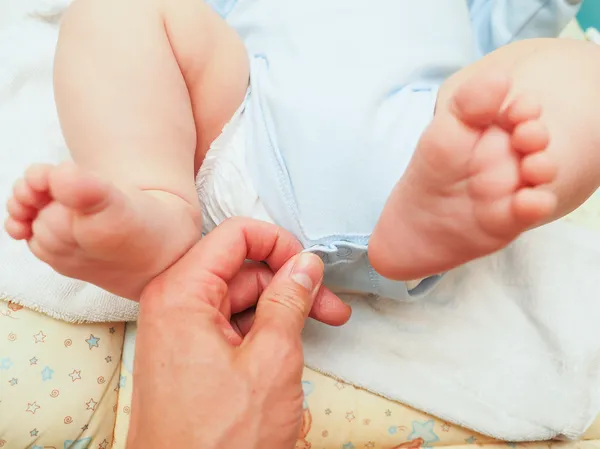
<point x="201" y="382"/>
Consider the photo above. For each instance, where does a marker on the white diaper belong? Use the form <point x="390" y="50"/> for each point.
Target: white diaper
<point x="223" y="183"/>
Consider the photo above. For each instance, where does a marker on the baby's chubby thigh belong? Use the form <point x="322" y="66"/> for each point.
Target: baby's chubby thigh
<point x="164" y="91"/>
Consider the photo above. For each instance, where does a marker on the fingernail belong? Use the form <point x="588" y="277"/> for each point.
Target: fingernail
<point x="308" y="271"/>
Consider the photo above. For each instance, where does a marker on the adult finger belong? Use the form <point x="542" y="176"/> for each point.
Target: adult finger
<point x="329" y="309"/>
<point x="285" y="304"/>
<point x="253" y="279"/>
<point x="203" y="272"/>
<point x="225" y="249"/>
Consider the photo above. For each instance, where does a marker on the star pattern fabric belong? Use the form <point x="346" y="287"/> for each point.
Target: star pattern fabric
<point x="57" y="381"/>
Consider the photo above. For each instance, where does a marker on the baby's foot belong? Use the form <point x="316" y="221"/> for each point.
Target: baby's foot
<point x="471" y="187"/>
<point x="90" y="230"/>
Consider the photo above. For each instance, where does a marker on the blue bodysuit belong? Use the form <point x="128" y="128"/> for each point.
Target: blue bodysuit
<point x="340" y="93"/>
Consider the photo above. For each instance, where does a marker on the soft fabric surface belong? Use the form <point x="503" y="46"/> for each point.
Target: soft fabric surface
<point x="337" y="415"/>
<point x="59" y="382"/>
<point x="340" y="416"/>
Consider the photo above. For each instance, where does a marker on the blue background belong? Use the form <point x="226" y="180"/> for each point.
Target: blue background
<point x="589" y="16"/>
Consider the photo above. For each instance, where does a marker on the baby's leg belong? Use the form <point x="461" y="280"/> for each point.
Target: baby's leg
<point x="142" y="88"/>
<point x="515" y="143"/>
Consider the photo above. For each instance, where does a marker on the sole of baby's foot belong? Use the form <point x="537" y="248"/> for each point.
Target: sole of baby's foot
<point x="477" y="181"/>
<point x="90" y="230"/>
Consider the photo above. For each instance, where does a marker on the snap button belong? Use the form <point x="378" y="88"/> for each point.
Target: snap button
<point x="344" y="252"/>
<point x="323" y="256"/>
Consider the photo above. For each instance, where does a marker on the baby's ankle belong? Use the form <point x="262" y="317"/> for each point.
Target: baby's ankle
<point x="176" y="202"/>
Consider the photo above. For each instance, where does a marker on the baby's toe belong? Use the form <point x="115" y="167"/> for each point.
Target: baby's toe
<point x="538" y="169"/>
<point x="19" y="211"/>
<point x="18" y="230"/>
<point x="530" y="137"/>
<point x="52" y="230"/>
<point x="494" y="168"/>
<point x="532" y="206"/>
<point x="523" y="108"/>
<point x="27" y="195"/>
<point x="478" y="102"/>
<point x="37" y="176"/>
<point x="79" y="190"/>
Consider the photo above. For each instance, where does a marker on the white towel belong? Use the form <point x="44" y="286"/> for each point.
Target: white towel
<point x="29" y="133"/>
<point x="508" y="345"/>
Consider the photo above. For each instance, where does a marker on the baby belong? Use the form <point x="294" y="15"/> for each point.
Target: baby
<point x="331" y="120"/>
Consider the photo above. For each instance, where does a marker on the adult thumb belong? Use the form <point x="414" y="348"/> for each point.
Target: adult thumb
<point x="285" y="304"/>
